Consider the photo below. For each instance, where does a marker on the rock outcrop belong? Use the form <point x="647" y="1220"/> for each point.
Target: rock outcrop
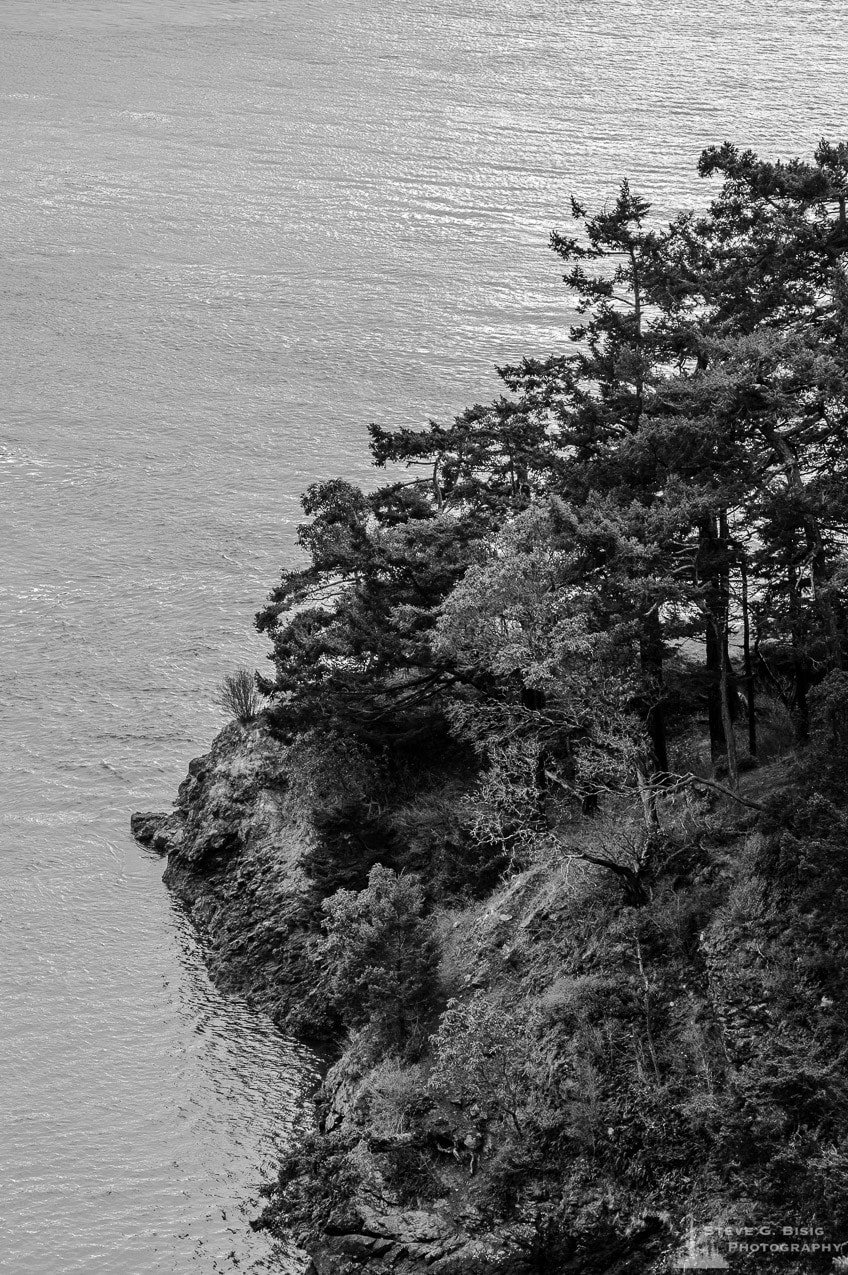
<point x="721" y="998"/>
<point x="233" y="861"/>
<point x="157" y="830"/>
<point x="233" y="856"/>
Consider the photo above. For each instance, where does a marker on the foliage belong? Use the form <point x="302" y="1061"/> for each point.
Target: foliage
<point x="350" y="631"/>
<point x="379" y="957"/>
<point x="315" y="1188"/>
<point x="395" y="1096"/>
<point x="489" y="1058"/>
<point x="239" y="695"/>
<point x="636" y="553"/>
<point x="328" y="769"/>
<point x="504" y="813"/>
<point x="678" y="471"/>
<point x="829" y="705"/>
<point x="526" y="621"/>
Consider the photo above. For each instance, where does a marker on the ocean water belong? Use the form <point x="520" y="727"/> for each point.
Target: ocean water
<point x="235" y="232"/>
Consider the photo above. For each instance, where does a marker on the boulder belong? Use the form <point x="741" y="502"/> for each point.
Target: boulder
<point x="153" y="828"/>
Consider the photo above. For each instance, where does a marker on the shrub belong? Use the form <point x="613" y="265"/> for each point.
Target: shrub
<point x="380" y="956"/>
<point x="488" y="1057"/>
<point x="344" y="844"/>
<point x="504" y="818"/>
<point x="316" y="1188"/>
<point x="329" y="771"/>
<point x="407" y="1170"/>
<point x="829" y="710"/>
<point x="395" y="1097"/>
<point x="238" y="695"/>
<point x="776" y="733"/>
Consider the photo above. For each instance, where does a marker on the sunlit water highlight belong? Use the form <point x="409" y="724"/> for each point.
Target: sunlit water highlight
<point x="235" y="231"/>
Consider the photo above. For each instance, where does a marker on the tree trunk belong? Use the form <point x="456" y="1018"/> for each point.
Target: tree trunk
<point x="728" y="707"/>
<point x="708" y="575"/>
<point x="726" y="718"/>
<point x="800" y="671"/>
<point x="648" y="797"/>
<point x="714" y="714"/>
<point x="746" y="654"/>
<point x="802" y="708"/>
<point x="651" y="658"/>
<point x="820" y="589"/>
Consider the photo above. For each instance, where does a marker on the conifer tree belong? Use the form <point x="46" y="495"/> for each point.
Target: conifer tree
<point x="692" y="429"/>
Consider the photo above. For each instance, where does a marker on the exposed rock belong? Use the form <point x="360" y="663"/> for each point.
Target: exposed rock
<point x="234" y="861"/>
<point x="144" y="823"/>
<point x="233" y="856"/>
<point x="161" y="831"/>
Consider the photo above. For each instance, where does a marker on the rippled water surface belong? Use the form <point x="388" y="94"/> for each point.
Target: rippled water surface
<point x="235" y="231"/>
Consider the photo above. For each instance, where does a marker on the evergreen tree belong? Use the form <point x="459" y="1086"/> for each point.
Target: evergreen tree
<point x="693" y="431"/>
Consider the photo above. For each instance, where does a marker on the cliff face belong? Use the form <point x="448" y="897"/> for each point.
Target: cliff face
<point x="233" y="862"/>
<point x="612" y="1072"/>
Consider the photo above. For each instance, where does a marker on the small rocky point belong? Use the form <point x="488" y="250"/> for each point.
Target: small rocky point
<point x="233" y="864"/>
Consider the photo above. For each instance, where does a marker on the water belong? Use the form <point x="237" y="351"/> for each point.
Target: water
<point x="235" y="231"/>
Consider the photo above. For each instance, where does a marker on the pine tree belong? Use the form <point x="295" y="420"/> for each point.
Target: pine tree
<point x="692" y="428"/>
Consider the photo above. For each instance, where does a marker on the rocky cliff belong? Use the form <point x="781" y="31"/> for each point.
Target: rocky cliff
<point x="234" y="858"/>
<point x="681" y="1059"/>
<point x="233" y="863"/>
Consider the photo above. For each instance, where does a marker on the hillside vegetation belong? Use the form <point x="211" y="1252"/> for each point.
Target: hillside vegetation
<point x="564" y="713"/>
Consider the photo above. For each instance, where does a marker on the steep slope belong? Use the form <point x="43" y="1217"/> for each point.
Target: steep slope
<point x="591" y="1082"/>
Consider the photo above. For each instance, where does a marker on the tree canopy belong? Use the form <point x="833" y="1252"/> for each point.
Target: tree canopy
<point x="673" y="478"/>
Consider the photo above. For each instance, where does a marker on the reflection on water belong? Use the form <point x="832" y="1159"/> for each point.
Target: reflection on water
<point x="235" y="231"/>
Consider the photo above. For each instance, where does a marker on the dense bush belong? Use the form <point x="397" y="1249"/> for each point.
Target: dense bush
<point x="829" y="710"/>
<point x="492" y="1059"/>
<point x="315" y="1188"/>
<point x="379" y="957"/>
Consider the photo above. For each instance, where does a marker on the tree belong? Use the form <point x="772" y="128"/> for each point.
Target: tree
<point x="380" y="955"/>
<point x="350" y="631"/>
<point x="487" y="1057"/>
<point x="767" y="265"/>
<point x="693" y="431"/>
<point x="672" y="390"/>
<point x="556" y="655"/>
<point x="238" y="695"/>
<point x="595" y="395"/>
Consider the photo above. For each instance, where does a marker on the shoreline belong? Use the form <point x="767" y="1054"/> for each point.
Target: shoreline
<point x="236" y="863"/>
